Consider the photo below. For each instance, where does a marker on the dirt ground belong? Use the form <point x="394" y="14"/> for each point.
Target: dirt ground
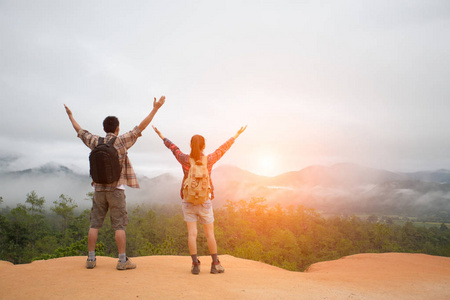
<point x="362" y="276"/>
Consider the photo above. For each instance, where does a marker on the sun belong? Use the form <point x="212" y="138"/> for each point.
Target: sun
<point x="266" y="163"/>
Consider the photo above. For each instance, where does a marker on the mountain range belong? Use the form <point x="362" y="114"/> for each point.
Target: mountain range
<point x="336" y="189"/>
<point x="343" y="189"/>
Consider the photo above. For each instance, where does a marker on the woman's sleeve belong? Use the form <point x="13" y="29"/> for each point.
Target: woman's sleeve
<point x="180" y="156"/>
<point x="216" y="155"/>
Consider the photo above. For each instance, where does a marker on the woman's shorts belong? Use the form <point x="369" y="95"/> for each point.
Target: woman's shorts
<point x="202" y="213"/>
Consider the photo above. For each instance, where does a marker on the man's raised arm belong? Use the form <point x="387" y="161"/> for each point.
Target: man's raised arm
<point x="156" y="105"/>
<point x="75" y="125"/>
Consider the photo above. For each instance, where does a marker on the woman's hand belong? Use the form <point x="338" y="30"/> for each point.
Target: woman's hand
<point x="158" y="132"/>
<point x="239" y="132"/>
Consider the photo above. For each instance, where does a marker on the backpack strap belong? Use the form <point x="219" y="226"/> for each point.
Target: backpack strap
<point x="203" y="160"/>
<point x="101" y="140"/>
<point x="111" y="141"/>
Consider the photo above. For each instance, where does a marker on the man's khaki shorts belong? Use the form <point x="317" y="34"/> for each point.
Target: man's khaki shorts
<point x="115" y="202"/>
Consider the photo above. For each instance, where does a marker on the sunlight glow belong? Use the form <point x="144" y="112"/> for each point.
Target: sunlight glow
<point x="267" y="163"/>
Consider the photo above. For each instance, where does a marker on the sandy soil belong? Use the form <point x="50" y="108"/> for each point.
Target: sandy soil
<point x="362" y="276"/>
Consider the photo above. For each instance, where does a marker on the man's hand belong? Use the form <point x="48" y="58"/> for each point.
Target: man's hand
<point x="75" y="125"/>
<point x="69" y="113"/>
<point x="156" y="105"/>
<point x="159" y="103"/>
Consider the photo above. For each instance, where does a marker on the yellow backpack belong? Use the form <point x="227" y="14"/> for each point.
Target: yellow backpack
<point x="196" y="188"/>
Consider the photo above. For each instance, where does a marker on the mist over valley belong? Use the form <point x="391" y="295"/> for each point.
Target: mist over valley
<point x="337" y="189"/>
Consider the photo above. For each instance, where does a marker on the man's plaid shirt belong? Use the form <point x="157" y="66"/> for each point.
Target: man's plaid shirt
<point x="122" y="144"/>
<point x="183" y="159"/>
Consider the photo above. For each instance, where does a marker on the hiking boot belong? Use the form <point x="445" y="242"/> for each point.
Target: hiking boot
<point x="195" y="268"/>
<point x="90" y="263"/>
<point x="125" y="265"/>
<point x="216" y="268"/>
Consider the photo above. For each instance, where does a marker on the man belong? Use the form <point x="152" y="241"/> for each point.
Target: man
<point x="112" y="196"/>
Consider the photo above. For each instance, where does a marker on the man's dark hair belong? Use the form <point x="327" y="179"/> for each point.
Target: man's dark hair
<point x="110" y="124"/>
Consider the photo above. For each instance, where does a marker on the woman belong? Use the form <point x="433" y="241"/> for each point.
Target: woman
<point x="202" y="212"/>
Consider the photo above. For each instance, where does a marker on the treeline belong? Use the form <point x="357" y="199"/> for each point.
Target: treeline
<point x="296" y="237"/>
<point x="291" y="238"/>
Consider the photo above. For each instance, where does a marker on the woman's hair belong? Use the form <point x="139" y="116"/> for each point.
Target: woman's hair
<point x="197" y="146"/>
<point x="110" y="124"/>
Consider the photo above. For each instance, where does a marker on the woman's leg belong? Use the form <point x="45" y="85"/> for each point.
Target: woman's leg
<point x="210" y="238"/>
<point x="216" y="267"/>
<point x="192" y="237"/>
<point x="192" y="243"/>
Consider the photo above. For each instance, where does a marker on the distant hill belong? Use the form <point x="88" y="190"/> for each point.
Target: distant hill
<point x="339" y="175"/>
<point x="343" y="189"/>
<point x="51" y="180"/>
<point x="337" y="189"/>
<point x="440" y="176"/>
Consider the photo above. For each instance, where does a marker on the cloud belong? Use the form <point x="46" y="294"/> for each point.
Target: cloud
<point x="323" y="81"/>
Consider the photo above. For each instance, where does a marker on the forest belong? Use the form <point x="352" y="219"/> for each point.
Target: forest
<point x="291" y="238"/>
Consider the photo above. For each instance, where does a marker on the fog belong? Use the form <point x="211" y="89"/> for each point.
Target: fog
<point x="52" y="180"/>
<point x="318" y="82"/>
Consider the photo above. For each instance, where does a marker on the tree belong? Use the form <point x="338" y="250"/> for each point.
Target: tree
<point x="18" y="234"/>
<point x="37" y="218"/>
<point x="165" y="248"/>
<point x="372" y="219"/>
<point x="65" y="208"/>
<point x="77" y="248"/>
<point x="37" y="204"/>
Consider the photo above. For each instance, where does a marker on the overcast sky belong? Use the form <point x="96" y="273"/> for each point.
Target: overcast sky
<point x="317" y="82"/>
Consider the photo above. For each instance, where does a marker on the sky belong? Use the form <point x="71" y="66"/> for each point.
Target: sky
<point x="317" y="82"/>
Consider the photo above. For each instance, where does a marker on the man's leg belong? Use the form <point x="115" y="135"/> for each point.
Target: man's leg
<point x="119" y="222"/>
<point x="121" y="241"/>
<point x="124" y="262"/>
<point x="98" y="213"/>
<point x="92" y="238"/>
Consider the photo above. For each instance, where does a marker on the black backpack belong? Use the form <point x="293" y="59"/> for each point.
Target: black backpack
<point x="104" y="162"/>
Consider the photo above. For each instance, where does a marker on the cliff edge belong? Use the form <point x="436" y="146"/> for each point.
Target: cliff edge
<point x="361" y="276"/>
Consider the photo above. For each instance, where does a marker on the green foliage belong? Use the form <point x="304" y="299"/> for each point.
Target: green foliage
<point x="64" y="208"/>
<point x="165" y="248"/>
<point x="153" y="226"/>
<point x="27" y="231"/>
<point x="75" y="249"/>
<point x="296" y="237"/>
<point x="291" y="238"/>
<point x="37" y="204"/>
